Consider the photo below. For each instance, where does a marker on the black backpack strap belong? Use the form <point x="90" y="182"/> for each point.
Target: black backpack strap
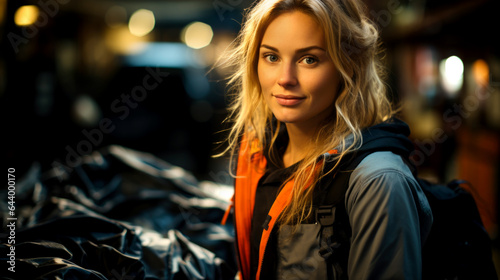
<point x="332" y="216"/>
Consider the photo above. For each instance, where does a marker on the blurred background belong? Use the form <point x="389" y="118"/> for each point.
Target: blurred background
<point x="76" y="76"/>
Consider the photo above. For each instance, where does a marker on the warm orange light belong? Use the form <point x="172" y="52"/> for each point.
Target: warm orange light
<point x="26" y="15"/>
<point x="481" y="72"/>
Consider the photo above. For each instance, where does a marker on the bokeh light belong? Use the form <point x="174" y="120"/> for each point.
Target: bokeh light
<point x="481" y="72"/>
<point x="142" y="22"/>
<point x="26" y="15"/>
<point x="452" y="74"/>
<point x="197" y="35"/>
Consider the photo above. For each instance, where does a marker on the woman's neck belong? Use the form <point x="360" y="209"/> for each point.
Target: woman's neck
<point x="300" y="141"/>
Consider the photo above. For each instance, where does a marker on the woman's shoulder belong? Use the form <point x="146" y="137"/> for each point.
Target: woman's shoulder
<point x="383" y="183"/>
<point x="382" y="175"/>
<point x="383" y="164"/>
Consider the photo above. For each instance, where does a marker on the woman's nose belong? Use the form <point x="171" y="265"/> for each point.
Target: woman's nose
<point x="288" y="75"/>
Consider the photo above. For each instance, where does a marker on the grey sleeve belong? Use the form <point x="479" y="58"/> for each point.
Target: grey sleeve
<point x="383" y="203"/>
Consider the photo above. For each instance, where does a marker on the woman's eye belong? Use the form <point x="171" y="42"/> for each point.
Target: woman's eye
<point x="271" y="58"/>
<point x="309" y="60"/>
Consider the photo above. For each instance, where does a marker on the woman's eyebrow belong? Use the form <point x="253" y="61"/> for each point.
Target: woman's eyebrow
<point x="269" y="47"/>
<point x="302" y="50"/>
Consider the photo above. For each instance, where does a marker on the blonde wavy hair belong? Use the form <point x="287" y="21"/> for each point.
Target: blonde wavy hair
<point x="353" y="45"/>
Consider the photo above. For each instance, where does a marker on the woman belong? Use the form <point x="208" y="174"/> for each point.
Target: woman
<point x="308" y="93"/>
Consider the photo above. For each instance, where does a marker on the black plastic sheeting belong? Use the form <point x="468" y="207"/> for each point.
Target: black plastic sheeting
<point x="120" y="214"/>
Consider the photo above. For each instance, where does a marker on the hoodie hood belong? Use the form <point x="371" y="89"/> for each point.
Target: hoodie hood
<point x="391" y="135"/>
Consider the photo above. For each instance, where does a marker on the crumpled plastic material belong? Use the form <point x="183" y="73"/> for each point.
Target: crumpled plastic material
<point x="120" y="214"/>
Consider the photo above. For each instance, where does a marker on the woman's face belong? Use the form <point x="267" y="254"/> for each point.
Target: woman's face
<point x="297" y="77"/>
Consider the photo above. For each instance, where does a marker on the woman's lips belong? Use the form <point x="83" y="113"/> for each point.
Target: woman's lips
<point x="288" y="100"/>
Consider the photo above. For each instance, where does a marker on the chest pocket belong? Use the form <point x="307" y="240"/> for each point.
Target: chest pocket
<point x="298" y="253"/>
